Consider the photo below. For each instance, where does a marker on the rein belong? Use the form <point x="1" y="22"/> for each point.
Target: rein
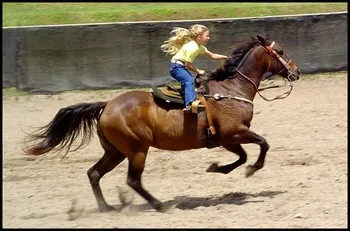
<point x="282" y="96"/>
<point x="218" y="96"/>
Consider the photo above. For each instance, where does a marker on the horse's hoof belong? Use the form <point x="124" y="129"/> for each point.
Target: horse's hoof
<point x="250" y="170"/>
<point x="106" y="209"/>
<point x="213" y="168"/>
<point x="159" y="207"/>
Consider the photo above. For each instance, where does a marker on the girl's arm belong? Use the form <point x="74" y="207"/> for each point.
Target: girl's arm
<point x="215" y="56"/>
<point x="193" y="68"/>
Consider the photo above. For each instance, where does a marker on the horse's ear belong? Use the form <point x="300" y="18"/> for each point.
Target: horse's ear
<point x="262" y="40"/>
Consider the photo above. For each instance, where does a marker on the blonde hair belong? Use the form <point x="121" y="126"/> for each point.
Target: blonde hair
<point x="180" y="36"/>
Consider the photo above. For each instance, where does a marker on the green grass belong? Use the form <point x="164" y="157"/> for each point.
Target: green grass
<point x="7" y="92"/>
<point x="26" y="14"/>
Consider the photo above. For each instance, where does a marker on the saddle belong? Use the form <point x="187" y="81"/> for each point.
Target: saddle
<point x="176" y="95"/>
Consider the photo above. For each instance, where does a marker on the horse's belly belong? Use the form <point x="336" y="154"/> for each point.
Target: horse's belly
<point x="177" y="134"/>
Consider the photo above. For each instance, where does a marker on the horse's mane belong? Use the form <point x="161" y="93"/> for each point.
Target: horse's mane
<point x="231" y="63"/>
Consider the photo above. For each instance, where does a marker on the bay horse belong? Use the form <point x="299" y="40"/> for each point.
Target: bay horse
<point x="129" y="124"/>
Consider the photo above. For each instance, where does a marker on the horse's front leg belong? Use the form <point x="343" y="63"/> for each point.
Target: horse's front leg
<point x="247" y="136"/>
<point x="235" y="148"/>
<point x="244" y="136"/>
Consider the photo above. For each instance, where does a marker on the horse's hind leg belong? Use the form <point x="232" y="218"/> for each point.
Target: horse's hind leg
<point x="136" y="167"/>
<point x="235" y="148"/>
<point x="108" y="162"/>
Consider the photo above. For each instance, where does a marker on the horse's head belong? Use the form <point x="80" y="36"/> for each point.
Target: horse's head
<point x="269" y="55"/>
<point x="278" y="61"/>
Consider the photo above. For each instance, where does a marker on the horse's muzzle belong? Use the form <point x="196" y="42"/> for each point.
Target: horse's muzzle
<point x="294" y="75"/>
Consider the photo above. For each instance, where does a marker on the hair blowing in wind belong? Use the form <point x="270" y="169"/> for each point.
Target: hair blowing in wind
<point x="180" y="36"/>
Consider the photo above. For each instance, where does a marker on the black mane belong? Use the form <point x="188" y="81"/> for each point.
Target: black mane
<point x="230" y="64"/>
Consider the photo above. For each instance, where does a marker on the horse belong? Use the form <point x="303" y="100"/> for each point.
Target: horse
<point x="132" y="122"/>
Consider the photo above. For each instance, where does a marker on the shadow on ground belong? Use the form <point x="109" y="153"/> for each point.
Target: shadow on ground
<point x="188" y="202"/>
<point x="236" y="198"/>
<point x="180" y="202"/>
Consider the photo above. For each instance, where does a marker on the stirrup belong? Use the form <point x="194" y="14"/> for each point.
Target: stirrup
<point x="197" y="107"/>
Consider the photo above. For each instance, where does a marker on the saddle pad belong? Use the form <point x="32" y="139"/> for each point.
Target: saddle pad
<point x="165" y="94"/>
<point x="170" y="93"/>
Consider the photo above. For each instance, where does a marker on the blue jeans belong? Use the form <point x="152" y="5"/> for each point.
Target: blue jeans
<point x="181" y="74"/>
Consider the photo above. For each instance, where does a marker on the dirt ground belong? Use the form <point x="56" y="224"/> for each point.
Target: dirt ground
<point x="303" y="183"/>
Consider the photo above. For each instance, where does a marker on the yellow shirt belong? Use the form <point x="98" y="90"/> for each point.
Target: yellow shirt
<point x="189" y="51"/>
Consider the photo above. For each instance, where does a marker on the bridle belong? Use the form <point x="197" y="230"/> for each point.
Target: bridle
<point x="269" y="49"/>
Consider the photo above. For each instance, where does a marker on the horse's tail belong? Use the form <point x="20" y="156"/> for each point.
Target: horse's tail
<point x="65" y="128"/>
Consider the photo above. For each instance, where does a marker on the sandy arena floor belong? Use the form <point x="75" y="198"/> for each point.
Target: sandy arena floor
<point x="303" y="183"/>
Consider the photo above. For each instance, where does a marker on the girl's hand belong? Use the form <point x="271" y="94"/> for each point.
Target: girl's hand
<point x="201" y="72"/>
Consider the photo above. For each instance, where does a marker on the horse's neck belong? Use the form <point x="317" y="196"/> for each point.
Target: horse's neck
<point x="251" y="70"/>
<point x="246" y="80"/>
